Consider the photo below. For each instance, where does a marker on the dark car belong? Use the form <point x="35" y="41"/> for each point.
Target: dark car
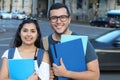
<point x="105" y="22"/>
<point x="107" y="47"/>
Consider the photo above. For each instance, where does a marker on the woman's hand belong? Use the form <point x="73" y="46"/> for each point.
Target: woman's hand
<point x="51" y="74"/>
<point x="34" y="76"/>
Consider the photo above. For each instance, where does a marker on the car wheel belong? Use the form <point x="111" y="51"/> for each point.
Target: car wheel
<point x="17" y="18"/>
<point x="92" y="24"/>
<point x="1" y="17"/>
<point x="106" y="25"/>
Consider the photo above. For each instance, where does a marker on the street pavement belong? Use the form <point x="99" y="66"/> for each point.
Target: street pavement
<point x="9" y="28"/>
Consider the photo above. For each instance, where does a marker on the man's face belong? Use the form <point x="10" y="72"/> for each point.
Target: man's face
<point x="59" y="20"/>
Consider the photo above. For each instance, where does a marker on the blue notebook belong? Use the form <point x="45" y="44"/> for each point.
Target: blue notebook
<point x="72" y="54"/>
<point x="20" y="69"/>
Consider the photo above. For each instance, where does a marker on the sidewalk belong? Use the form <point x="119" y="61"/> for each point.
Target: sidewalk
<point x="2" y="29"/>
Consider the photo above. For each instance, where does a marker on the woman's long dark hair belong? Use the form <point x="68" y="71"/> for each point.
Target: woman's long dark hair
<point x="17" y="41"/>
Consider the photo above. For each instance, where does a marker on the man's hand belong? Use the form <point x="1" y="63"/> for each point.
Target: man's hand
<point x="59" y="70"/>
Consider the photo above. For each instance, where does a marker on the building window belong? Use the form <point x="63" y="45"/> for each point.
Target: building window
<point x="79" y="4"/>
<point x="118" y="2"/>
<point x="16" y="0"/>
<point x="22" y="3"/>
<point x="90" y="5"/>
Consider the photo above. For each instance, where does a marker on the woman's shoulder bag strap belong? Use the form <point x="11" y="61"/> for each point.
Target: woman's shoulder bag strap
<point x="11" y="53"/>
<point x="39" y="56"/>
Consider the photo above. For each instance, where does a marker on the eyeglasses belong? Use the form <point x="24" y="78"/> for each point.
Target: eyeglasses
<point x="62" y="18"/>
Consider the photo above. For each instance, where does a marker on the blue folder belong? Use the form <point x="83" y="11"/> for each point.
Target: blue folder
<point x="65" y="38"/>
<point x="20" y="69"/>
<point x="72" y="54"/>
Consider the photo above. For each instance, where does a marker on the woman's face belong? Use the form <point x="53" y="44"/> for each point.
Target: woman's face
<point x="28" y="34"/>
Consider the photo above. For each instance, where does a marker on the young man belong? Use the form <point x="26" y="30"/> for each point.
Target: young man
<point x="59" y="18"/>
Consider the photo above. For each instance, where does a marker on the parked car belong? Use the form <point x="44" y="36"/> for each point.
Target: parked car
<point x="105" y="22"/>
<point x="16" y="15"/>
<point x="21" y="16"/>
<point x="5" y="15"/>
<point x="107" y="47"/>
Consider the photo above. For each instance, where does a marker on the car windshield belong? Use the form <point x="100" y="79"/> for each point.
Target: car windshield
<point x="108" y="37"/>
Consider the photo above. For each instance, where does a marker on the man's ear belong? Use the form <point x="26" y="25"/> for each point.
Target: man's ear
<point x="70" y="19"/>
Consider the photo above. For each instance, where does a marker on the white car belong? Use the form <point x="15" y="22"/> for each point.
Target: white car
<point x="5" y="15"/>
<point x="21" y="16"/>
<point x="17" y="15"/>
<point x="14" y="15"/>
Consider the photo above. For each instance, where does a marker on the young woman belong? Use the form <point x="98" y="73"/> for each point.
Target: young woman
<point x="27" y="45"/>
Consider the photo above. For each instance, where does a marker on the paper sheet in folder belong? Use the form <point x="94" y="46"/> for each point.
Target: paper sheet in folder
<point x="72" y="54"/>
<point x="20" y="69"/>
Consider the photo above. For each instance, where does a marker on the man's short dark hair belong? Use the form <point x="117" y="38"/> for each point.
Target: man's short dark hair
<point x="57" y="6"/>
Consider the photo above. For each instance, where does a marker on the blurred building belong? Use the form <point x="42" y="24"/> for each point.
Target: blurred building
<point x="81" y="10"/>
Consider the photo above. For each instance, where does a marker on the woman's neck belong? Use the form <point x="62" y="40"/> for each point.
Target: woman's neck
<point x="27" y="47"/>
<point x="27" y="51"/>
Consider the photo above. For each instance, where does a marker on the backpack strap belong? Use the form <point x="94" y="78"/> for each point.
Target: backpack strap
<point x="45" y="43"/>
<point x="40" y="56"/>
<point x="11" y="53"/>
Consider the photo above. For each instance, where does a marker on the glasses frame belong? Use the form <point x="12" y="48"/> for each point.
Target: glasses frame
<point x="55" y="18"/>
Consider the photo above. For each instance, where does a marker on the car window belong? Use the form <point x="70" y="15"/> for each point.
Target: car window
<point x="118" y="39"/>
<point x="116" y="43"/>
<point x="108" y="37"/>
<point x="99" y="19"/>
<point x="103" y="19"/>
